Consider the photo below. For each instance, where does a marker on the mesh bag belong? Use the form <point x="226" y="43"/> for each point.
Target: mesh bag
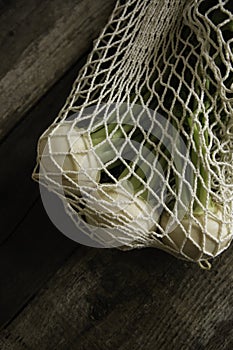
<point x="142" y="152"/>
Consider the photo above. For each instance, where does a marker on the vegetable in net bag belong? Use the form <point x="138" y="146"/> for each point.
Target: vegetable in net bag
<point x="142" y="152"/>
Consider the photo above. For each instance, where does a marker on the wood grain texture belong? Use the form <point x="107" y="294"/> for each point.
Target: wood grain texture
<point x="39" y="41"/>
<point x="28" y="258"/>
<point x="18" y="153"/>
<point x="106" y="299"/>
<point x="31" y="248"/>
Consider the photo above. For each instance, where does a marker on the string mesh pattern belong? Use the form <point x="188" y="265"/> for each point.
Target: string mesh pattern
<point x="117" y="165"/>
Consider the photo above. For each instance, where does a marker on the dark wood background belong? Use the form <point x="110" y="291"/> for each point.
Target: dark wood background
<point x="54" y="293"/>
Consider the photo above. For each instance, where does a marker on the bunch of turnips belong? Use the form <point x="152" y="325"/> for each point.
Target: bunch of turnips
<point x="151" y="162"/>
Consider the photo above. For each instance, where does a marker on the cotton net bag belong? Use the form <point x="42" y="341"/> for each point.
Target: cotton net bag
<point x="141" y="155"/>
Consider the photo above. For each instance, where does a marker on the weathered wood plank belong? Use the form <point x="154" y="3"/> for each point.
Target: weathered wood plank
<point x="39" y="41"/>
<point x="18" y="154"/>
<point x="35" y="249"/>
<point x="28" y="258"/>
<point x="18" y="193"/>
<point x="106" y="299"/>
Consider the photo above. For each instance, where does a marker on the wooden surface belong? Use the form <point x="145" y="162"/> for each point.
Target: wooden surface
<point x="19" y="152"/>
<point x="31" y="248"/>
<point x="54" y="293"/>
<point x="39" y="40"/>
<point x="105" y="299"/>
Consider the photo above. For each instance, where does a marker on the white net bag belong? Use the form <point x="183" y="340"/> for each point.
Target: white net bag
<point x="142" y="152"/>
